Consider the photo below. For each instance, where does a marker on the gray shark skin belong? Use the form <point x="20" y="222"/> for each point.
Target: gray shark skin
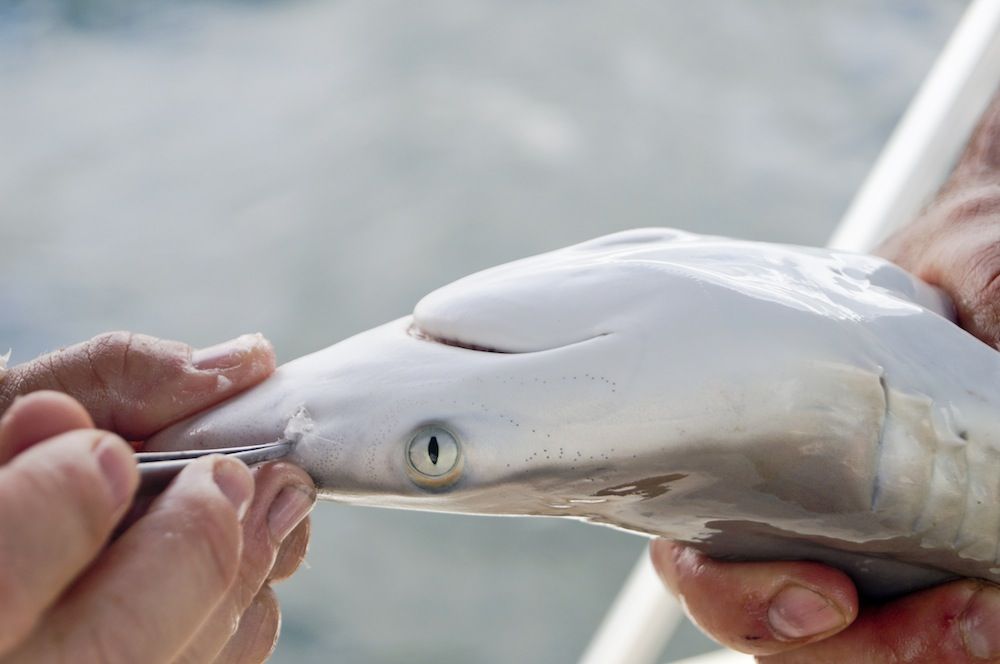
<point x="759" y="401"/>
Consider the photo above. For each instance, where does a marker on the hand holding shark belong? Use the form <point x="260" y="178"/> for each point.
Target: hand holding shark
<point x="189" y="574"/>
<point x="955" y="245"/>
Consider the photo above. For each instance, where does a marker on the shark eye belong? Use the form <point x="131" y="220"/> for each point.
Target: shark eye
<point x="434" y="458"/>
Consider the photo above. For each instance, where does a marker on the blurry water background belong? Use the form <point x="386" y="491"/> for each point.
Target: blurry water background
<point x="309" y="169"/>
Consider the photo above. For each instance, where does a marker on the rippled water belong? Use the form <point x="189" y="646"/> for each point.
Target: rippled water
<point x="309" y="169"/>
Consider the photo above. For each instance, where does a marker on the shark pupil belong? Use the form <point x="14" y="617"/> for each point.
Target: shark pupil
<point x="432" y="449"/>
<point x="433" y="457"/>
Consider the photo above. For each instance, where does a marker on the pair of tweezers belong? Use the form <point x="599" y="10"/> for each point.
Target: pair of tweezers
<point x="156" y="469"/>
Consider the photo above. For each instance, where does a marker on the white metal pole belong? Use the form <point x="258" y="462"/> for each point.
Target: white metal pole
<point x="908" y="172"/>
<point x="639" y="623"/>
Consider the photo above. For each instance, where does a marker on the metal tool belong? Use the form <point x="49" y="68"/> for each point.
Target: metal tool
<point x="156" y="469"/>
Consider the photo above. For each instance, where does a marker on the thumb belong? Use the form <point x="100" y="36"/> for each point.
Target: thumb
<point x="135" y="385"/>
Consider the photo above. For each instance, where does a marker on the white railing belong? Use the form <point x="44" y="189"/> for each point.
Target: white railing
<point x="929" y="137"/>
<point x="910" y="169"/>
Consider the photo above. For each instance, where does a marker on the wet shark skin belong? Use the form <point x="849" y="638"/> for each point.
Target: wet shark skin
<point x="760" y="401"/>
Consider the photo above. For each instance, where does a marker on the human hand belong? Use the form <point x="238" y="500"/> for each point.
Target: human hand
<point x="808" y="613"/>
<point x="955" y="243"/>
<point x="185" y="582"/>
<point x="791" y="612"/>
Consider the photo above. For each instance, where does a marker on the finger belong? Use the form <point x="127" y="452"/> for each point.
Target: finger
<point x="147" y="595"/>
<point x="956" y="246"/>
<point x="291" y="553"/>
<point x="757" y="608"/>
<point x="257" y="634"/>
<point x="284" y="496"/>
<point x="981" y="159"/>
<point x="958" y="623"/>
<point x="59" y="502"/>
<point x="37" y="417"/>
<point x="966" y="264"/>
<point x="136" y="385"/>
<point x="955" y="243"/>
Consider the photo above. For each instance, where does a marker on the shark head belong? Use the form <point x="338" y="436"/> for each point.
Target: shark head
<point x="557" y="383"/>
<point x="757" y="400"/>
<point x="498" y="387"/>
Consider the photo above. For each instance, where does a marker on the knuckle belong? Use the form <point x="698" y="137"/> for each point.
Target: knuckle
<point x="985" y="273"/>
<point x="270" y="627"/>
<point x="927" y="622"/>
<point x="977" y="621"/>
<point x="978" y="299"/>
<point x="973" y="205"/>
<point x="127" y="358"/>
<point x="107" y="357"/>
<point x="252" y="573"/>
<point x="258" y="631"/>
<point x="292" y="552"/>
<point x="146" y="353"/>
<point x="109" y="350"/>
<point x="129" y="371"/>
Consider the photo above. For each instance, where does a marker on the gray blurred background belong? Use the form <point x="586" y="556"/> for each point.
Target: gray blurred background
<point x="196" y="170"/>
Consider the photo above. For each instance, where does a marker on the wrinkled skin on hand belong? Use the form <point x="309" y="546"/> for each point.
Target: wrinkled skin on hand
<point x="187" y="579"/>
<point x="955" y="243"/>
<point x="799" y="612"/>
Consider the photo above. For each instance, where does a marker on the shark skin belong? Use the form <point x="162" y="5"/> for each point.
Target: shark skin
<point x="759" y="401"/>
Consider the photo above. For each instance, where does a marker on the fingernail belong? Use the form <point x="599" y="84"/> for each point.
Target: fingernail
<point x="227" y="355"/>
<point x="980" y="624"/>
<point x="797" y="612"/>
<point x="117" y="464"/>
<point x="235" y="482"/>
<point x="290" y="506"/>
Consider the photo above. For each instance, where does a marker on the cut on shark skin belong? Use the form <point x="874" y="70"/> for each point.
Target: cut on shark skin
<point x="759" y="401"/>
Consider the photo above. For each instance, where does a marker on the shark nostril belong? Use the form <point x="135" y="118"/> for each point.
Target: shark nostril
<point x="417" y="333"/>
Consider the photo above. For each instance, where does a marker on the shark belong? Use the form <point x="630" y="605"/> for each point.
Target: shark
<point x="758" y="401"/>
